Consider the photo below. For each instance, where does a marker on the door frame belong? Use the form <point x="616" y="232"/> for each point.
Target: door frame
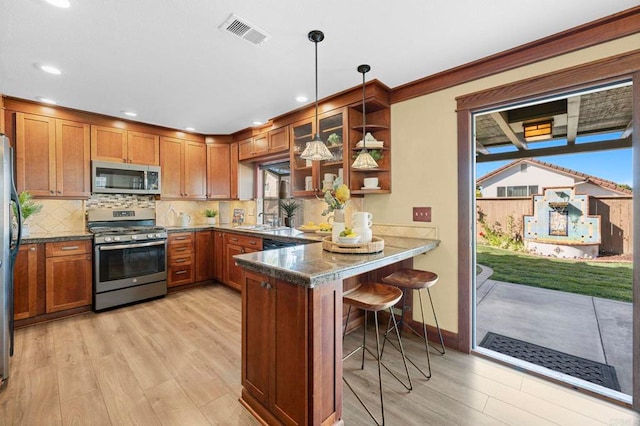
<point x="624" y="67"/>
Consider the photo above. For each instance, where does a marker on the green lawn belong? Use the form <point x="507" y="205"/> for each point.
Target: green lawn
<point x="599" y="279"/>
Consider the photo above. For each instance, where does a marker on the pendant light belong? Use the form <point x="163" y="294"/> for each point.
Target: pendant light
<point x="316" y="150"/>
<point x="364" y="160"/>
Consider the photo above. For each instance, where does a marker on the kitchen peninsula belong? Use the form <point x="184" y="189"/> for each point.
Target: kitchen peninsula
<point x="292" y="325"/>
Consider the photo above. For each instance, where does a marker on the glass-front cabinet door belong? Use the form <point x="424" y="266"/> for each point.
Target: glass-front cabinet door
<point x="302" y="176"/>
<point x="307" y="177"/>
<point x="332" y="131"/>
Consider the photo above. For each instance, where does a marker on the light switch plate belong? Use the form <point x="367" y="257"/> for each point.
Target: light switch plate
<point x="422" y="214"/>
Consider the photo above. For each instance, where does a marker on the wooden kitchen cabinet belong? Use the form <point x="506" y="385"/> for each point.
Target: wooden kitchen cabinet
<point x="69" y="275"/>
<point x="218" y="171"/>
<point x="52" y="157"/>
<point x="180" y="247"/>
<point x="330" y="123"/>
<point x="237" y="244"/>
<point x="218" y="255"/>
<point x="204" y="248"/>
<point x="184" y="168"/>
<point x="122" y="146"/>
<point x="25" y="282"/>
<point x="263" y="144"/>
<point x="274" y="357"/>
<point x="234" y="174"/>
<point x="378" y="124"/>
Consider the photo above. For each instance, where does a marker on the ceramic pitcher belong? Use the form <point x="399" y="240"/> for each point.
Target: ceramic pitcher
<point x="184" y="219"/>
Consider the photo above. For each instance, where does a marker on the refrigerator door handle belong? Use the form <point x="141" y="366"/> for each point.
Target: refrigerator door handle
<point x="14" y="253"/>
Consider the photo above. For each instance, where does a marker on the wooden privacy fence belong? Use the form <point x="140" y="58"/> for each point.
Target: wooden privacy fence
<point x="616" y="218"/>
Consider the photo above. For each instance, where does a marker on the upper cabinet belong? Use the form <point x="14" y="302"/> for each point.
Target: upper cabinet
<point x="122" y="146"/>
<point x="219" y="171"/>
<point x="264" y="144"/>
<point x="307" y="176"/>
<point x="378" y="125"/>
<point x="184" y="168"/>
<point x="52" y="156"/>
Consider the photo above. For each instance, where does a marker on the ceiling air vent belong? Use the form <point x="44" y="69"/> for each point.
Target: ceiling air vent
<point x="245" y="30"/>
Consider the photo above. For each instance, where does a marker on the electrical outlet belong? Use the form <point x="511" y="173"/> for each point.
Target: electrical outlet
<point x="422" y="214"/>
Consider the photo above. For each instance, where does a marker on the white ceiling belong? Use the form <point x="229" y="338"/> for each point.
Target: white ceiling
<point x="168" y="61"/>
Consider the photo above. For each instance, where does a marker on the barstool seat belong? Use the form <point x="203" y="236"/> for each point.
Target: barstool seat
<point x="414" y="279"/>
<point x="374" y="297"/>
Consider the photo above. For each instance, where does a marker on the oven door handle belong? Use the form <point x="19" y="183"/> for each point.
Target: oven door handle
<point x="126" y="246"/>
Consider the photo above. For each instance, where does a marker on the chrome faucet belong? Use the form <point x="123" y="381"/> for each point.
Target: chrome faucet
<point x="271" y="222"/>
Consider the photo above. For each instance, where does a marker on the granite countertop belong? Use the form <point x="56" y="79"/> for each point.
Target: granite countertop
<point x="310" y="265"/>
<point x="278" y="234"/>
<point x="52" y="237"/>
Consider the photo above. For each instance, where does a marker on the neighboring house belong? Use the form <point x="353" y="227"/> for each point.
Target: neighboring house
<point x="526" y="177"/>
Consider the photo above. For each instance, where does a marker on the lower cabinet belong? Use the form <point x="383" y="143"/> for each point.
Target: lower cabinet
<point x="25" y="283"/>
<point x="218" y="255"/>
<point x="237" y="244"/>
<point x="204" y="252"/>
<point x="68" y="275"/>
<point x="274" y="367"/>
<point x="180" y="259"/>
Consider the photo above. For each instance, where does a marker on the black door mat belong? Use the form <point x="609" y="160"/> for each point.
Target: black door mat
<point x="581" y="368"/>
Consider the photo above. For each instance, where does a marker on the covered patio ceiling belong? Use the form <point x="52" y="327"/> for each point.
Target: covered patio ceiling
<point x="588" y="121"/>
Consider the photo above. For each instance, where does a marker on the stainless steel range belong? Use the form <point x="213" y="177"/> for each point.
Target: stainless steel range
<point x="130" y="255"/>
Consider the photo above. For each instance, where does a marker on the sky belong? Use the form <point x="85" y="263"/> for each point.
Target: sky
<point x="614" y="165"/>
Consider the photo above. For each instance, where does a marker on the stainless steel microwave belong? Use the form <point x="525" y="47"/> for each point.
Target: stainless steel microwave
<point x="121" y="178"/>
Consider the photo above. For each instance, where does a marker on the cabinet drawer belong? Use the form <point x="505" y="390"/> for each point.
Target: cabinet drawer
<point x="181" y="238"/>
<point x="244" y="241"/>
<point x="180" y="250"/>
<point x="180" y="275"/>
<point x="179" y="261"/>
<point x="67" y="248"/>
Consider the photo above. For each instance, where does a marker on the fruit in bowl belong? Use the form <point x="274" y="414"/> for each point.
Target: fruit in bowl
<point x="348" y="237"/>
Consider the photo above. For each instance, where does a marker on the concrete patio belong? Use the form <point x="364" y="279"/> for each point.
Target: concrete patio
<point x="589" y="327"/>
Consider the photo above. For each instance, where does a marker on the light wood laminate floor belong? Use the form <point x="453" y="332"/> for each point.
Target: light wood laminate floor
<point x="176" y="361"/>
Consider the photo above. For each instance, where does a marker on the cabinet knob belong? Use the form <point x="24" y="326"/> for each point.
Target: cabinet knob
<point x="32" y="249"/>
<point x="60" y="192"/>
<point x="52" y="192"/>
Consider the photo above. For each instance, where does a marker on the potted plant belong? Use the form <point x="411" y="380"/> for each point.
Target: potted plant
<point x="288" y="208"/>
<point x="211" y="214"/>
<point x="28" y="207"/>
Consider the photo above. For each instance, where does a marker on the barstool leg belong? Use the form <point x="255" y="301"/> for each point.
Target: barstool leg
<point x="378" y="354"/>
<point x="426" y="337"/>
<point x="442" y="350"/>
<point x="364" y="336"/>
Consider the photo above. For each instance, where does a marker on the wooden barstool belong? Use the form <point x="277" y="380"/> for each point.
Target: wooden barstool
<point x="413" y="279"/>
<point x="374" y="297"/>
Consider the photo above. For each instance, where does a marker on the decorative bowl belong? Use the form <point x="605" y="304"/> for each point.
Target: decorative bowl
<point x="349" y="240"/>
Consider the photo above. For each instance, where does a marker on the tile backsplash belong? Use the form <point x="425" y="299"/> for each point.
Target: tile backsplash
<point x="121" y="201"/>
<point x="58" y="216"/>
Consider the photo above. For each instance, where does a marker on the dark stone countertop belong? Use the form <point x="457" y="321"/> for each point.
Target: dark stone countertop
<point x="310" y="265"/>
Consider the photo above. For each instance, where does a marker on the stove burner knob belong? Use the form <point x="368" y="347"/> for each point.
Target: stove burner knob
<point x="158" y="235"/>
<point x="107" y="239"/>
<point x="150" y="236"/>
<point x="116" y="238"/>
<point x="134" y="237"/>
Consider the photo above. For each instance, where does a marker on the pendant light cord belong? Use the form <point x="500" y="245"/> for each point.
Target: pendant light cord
<point x="364" y="115"/>
<point x="317" y="127"/>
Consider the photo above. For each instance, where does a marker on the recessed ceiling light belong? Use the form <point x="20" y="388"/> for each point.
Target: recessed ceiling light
<point x="46" y="100"/>
<point x="50" y="69"/>
<point x="190" y="129"/>
<point x="129" y="113"/>
<point x="59" y="3"/>
<point x="301" y="98"/>
<point x="257" y="123"/>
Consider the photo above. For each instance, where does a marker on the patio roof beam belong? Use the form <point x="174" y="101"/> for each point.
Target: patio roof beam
<point x="573" y="116"/>
<point x="501" y="120"/>
<point x="627" y="132"/>
<point x="480" y="149"/>
<point x="556" y="150"/>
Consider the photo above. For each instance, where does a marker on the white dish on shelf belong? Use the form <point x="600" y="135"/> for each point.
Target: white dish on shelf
<point x="371" y="144"/>
<point x="370" y="187"/>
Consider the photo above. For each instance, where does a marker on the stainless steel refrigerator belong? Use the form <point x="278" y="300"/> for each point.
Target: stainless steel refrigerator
<point x="10" y="235"/>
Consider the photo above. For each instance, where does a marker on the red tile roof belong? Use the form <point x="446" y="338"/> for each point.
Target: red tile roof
<point x="586" y="177"/>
